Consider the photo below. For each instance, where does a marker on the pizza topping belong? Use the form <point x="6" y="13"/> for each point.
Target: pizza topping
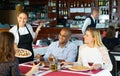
<point x="22" y="53"/>
<point x="79" y="68"/>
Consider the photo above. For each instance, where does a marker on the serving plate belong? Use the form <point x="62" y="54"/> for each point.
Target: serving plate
<point x="22" y="53"/>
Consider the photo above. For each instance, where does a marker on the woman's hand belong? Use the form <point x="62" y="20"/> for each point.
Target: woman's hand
<point x="33" y="70"/>
<point x="67" y="63"/>
<point x="38" y="56"/>
<point x="96" y="66"/>
<point x="35" y="67"/>
<point x="15" y="46"/>
<point x="39" y="27"/>
<point x="37" y="31"/>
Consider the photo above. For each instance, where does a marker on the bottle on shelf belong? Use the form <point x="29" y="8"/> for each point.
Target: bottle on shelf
<point x="102" y="3"/>
<point x="100" y="11"/>
<point x="71" y="4"/>
<point x="59" y="12"/>
<point x="74" y="3"/>
<point x="54" y="3"/>
<point x="99" y="3"/>
<point x="49" y="4"/>
<point x="66" y="12"/>
<point x="64" y="4"/>
<point x="77" y="3"/>
<point x="88" y="5"/>
<point x="107" y="11"/>
<point x="85" y="4"/>
<point x="59" y="3"/>
<point x="82" y="4"/>
<point x="92" y="4"/>
<point x="114" y="3"/>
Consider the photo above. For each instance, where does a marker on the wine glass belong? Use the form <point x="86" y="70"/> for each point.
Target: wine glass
<point x="36" y="61"/>
<point x="60" y="64"/>
<point x="51" y="58"/>
<point x="90" y="64"/>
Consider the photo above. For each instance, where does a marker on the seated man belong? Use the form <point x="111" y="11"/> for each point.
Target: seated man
<point x="62" y="49"/>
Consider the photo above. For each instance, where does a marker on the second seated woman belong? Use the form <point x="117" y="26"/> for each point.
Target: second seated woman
<point x="110" y="41"/>
<point x="24" y="34"/>
<point x="93" y="51"/>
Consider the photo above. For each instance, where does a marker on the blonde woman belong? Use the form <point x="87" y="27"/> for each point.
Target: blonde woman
<point x="93" y="51"/>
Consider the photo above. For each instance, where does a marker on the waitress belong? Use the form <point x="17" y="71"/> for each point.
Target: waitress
<point x="24" y="35"/>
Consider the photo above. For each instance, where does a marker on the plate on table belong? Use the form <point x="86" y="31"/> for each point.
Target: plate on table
<point x="66" y="66"/>
<point x="22" y="53"/>
<point x="79" y="68"/>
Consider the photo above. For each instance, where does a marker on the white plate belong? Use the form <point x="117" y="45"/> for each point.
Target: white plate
<point x="66" y="66"/>
<point x="22" y="53"/>
<point x="79" y="68"/>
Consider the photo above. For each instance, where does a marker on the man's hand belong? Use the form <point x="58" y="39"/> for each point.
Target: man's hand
<point x="37" y="56"/>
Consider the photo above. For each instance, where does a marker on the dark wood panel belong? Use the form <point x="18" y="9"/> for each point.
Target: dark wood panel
<point x="5" y="29"/>
<point x="53" y="32"/>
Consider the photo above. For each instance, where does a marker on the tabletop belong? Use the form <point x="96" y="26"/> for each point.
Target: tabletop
<point x="45" y="71"/>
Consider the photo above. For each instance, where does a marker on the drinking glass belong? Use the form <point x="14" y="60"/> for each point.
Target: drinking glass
<point x="51" y="58"/>
<point x="36" y="61"/>
<point x="52" y="63"/>
<point x="90" y="64"/>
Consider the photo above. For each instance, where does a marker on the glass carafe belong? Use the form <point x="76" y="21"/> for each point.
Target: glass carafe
<point x="52" y="63"/>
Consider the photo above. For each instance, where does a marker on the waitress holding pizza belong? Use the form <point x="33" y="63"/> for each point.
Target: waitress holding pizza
<point x="24" y="35"/>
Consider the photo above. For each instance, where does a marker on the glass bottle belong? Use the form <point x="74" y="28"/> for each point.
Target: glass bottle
<point x="114" y="3"/>
<point x="59" y="3"/>
<point x="53" y="63"/>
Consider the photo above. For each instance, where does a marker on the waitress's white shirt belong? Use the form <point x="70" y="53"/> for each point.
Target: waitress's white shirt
<point x="22" y="31"/>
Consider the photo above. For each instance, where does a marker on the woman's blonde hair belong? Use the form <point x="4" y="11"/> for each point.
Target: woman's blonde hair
<point x="18" y="13"/>
<point x="96" y="35"/>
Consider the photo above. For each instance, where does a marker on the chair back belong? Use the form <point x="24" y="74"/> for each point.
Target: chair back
<point x="114" y="71"/>
<point x="77" y="54"/>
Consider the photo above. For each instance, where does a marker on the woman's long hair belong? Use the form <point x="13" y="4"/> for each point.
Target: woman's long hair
<point x="96" y="35"/>
<point x="110" y="32"/>
<point x="7" y="52"/>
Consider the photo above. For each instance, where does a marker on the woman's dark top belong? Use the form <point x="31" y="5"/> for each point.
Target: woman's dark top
<point x="9" y="69"/>
<point x="110" y="43"/>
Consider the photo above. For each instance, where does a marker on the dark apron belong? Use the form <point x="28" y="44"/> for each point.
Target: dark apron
<point x="25" y="41"/>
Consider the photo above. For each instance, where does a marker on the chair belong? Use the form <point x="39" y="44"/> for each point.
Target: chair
<point x="114" y="70"/>
<point x="77" y="54"/>
<point x="43" y="42"/>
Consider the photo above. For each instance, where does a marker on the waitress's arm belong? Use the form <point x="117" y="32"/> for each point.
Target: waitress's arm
<point x="37" y="31"/>
<point x="15" y="46"/>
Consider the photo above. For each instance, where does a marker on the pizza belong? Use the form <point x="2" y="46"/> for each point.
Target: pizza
<point x="79" y="68"/>
<point x="22" y="53"/>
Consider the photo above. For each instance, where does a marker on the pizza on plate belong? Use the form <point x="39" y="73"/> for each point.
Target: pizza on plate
<point x="79" y="68"/>
<point x="22" y="53"/>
